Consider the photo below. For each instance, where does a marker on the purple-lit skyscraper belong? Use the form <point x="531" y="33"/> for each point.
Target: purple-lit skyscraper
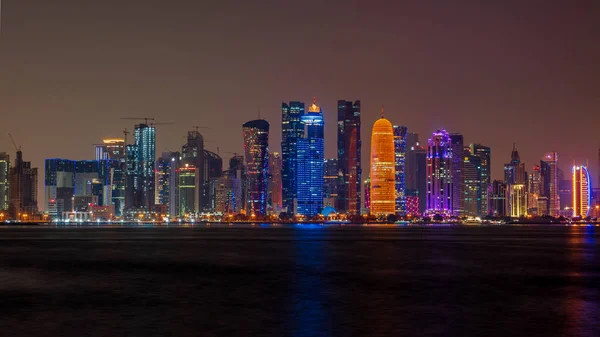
<point x="439" y="174"/>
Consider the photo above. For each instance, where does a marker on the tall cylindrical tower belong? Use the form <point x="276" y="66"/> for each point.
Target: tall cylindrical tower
<point x="383" y="188"/>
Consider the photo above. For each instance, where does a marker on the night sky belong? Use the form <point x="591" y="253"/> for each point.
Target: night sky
<point x="499" y="72"/>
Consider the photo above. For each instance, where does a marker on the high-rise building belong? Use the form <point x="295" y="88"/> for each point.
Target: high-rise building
<point x="383" y="170"/>
<point x="292" y="129"/>
<point x="59" y="186"/>
<point x="517" y="200"/>
<point x="256" y="145"/>
<point x="238" y="170"/>
<point x="367" y="200"/>
<point x="549" y="168"/>
<point x="275" y="187"/>
<point x="331" y="182"/>
<point x="514" y="172"/>
<point x="416" y="171"/>
<point x="111" y="148"/>
<point x="310" y="158"/>
<point x="534" y="190"/>
<point x="132" y="180"/>
<point x="192" y="153"/>
<point x="86" y="174"/>
<point x="440" y="190"/>
<point x="400" y="133"/>
<point x="349" y="157"/>
<point x="565" y="195"/>
<point x="458" y="187"/>
<point x="111" y="155"/>
<point x="516" y="179"/>
<point x="582" y="192"/>
<point x="188" y="184"/>
<point x="23" y="191"/>
<point x="497" y="199"/>
<point x="484" y="154"/>
<point x="4" y="180"/>
<point x="141" y="158"/>
<point x="229" y="193"/>
<point x="213" y="170"/>
<point x="472" y="191"/>
<point x="166" y="167"/>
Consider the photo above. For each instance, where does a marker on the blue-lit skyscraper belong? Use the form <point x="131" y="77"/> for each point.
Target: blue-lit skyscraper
<point x="256" y="145"/>
<point x="310" y="160"/>
<point x="349" y="157"/>
<point x="291" y="130"/>
<point x="400" y="133"/>
<point x="145" y="143"/>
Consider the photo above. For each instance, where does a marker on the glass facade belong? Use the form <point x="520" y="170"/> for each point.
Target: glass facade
<point x="582" y="191"/>
<point x="440" y="175"/>
<point x="4" y="180"/>
<point x="187" y="183"/>
<point x="291" y="130"/>
<point x="145" y="143"/>
<point x="485" y="157"/>
<point x="349" y="157"/>
<point x="472" y="192"/>
<point x="383" y="171"/>
<point x="400" y="133"/>
<point x="256" y="145"/>
<point x="549" y="168"/>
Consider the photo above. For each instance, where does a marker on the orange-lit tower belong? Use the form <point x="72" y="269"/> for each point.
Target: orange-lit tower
<point x="383" y="187"/>
<point x="581" y="191"/>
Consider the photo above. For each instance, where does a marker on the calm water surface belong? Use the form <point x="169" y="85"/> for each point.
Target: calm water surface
<point x="300" y="281"/>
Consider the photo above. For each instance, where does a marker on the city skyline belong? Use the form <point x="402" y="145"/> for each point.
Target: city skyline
<point x="68" y="80"/>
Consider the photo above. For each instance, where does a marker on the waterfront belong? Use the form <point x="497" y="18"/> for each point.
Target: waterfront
<point x="305" y="280"/>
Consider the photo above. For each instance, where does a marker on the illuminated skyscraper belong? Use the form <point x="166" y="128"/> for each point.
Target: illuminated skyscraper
<point x="497" y="199"/>
<point x="383" y="171"/>
<point x="416" y="171"/>
<point x="291" y="130"/>
<point x="534" y="190"/>
<point x="59" y="186"/>
<point x="331" y="182"/>
<point x="145" y="156"/>
<point x="458" y="186"/>
<point x="192" y="153"/>
<point x="367" y="196"/>
<point x="349" y="157"/>
<point x="549" y="168"/>
<point x="256" y="145"/>
<point x="514" y="172"/>
<point x="582" y="192"/>
<point x="400" y="133"/>
<point x="275" y="200"/>
<point x="439" y="175"/>
<point x="484" y="154"/>
<point x="4" y="180"/>
<point x="310" y="161"/>
<point x="188" y="184"/>
<point x="472" y="191"/>
<point x="213" y="170"/>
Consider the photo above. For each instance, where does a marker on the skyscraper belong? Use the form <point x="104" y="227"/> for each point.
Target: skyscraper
<point x="213" y="170"/>
<point x="516" y="178"/>
<point x="59" y="186"/>
<point x="416" y="172"/>
<point x="440" y="192"/>
<point x="549" y="168"/>
<point x="458" y="187"/>
<point x="582" y="191"/>
<point x="349" y="157"/>
<point x="111" y="154"/>
<point x="534" y="190"/>
<point x="23" y="191"/>
<point x="256" y="145"/>
<point x="291" y="130"/>
<point x="4" y="180"/>
<point x="310" y="159"/>
<point x="472" y="191"/>
<point x="383" y="171"/>
<point x="400" y="133"/>
<point x="331" y="182"/>
<point x="192" y="153"/>
<point x="144" y="156"/>
<point x="188" y="184"/>
<point x="485" y="156"/>
<point x="275" y="186"/>
<point x="497" y="203"/>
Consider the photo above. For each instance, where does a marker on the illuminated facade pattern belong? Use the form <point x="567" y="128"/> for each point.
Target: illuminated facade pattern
<point x="458" y="186"/>
<point x="582" y="191"/>
<point x="229" y="194"/>
<point x="275" y="185"/>
<point x="412" y="205"/>
<point x="349" y="157"/>
<point x="439" y="174"/>
<point x="472" y="191"/>
<point x="310" y="161"/>
<point x="549" y="168"/>
<point x="383" y="171"/>
<point x="188" y="183"/>
<point x="192" y="152"/>
<point x="4" y="180"/>
<point x="400" y="133"/>
<point x="517" y="200"/>
<point x="534" y="190"/>
<point x="145" y="143"/>
<point x="256" y="145"/>
<point x="514" y="172"/>
<point x="331" y="181"/>
<point x="497" y="199"/>
<point x="213" y="170"/>
<point x="291" y="130"/>
<point x="368" y="195"/>
<point x="485" y="156"/>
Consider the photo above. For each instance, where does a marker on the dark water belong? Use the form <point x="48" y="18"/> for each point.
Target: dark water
<point x="300" y="281"/>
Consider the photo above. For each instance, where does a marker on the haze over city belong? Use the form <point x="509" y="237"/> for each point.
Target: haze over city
<point x="499" y="73"/>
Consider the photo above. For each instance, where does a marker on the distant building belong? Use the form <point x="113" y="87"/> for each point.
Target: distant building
<point x="367" y="199"/>
<point x="549" y="170"/>
<point x="167" y="182"/>
<point x="256" y="144"/>
<point x="485" y="156"/>
<point x="472" y="186"/>
<point x="4" y="181"/>
<point x="582" y="192"/>
<point x="59" y="185"/>
<point x="275" y="183"/>
<point x="193" y="153"/>
<point x="440" y="180"/>
<point x="458" y="187"/>
<point x="188" y="184"/>
<point x="565" y="193"/>
<point x="213" y="170"/>
<point x="310" y="158"/>
<point x="292" y="129"/>
<point x="23" y="190"/>
<point x="534" y="191"/>
<point x="349" y="157"/>
<point x="331" y="182"/>
<point x="383" y="171"/>
<point x="497" y="199"/>
<point x="416" y="171"/>
<point x="515" y="177"/>
<point x="400" y="133"/>
<point x="140" y="158"/>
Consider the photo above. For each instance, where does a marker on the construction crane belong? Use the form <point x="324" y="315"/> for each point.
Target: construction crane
<point x="145" y="119"/>
<point x="18" y="148"/>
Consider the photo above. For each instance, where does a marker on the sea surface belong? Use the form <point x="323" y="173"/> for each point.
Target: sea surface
<point x="302" y="280"/>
